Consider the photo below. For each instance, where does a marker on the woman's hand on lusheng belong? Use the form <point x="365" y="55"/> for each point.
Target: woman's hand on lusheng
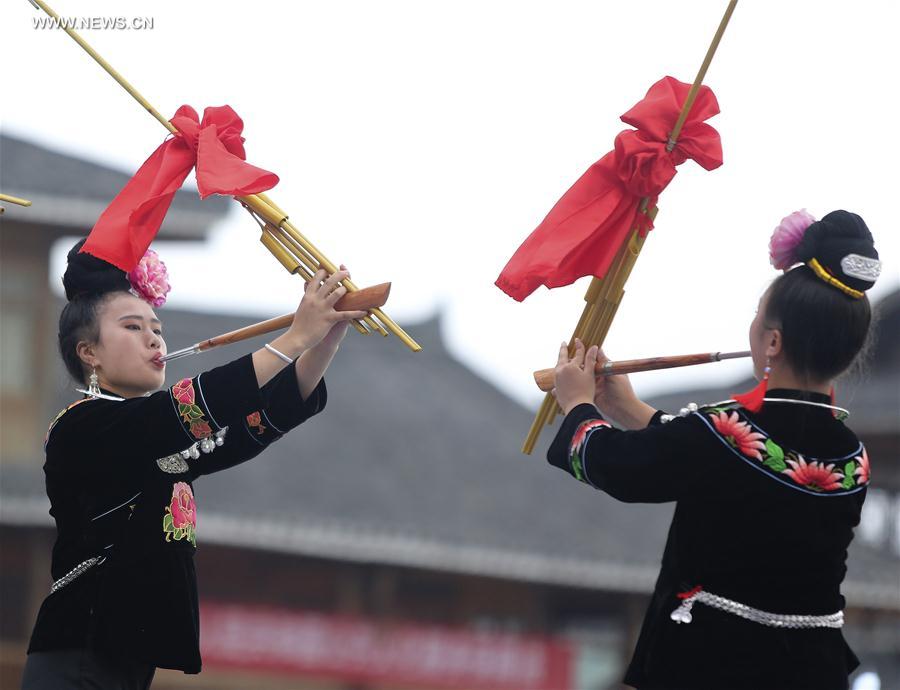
<point x="578" y="383"/>
<point x="616" y="400"/>
<point x="574" y="377"/>
<point x="316" y="317"/>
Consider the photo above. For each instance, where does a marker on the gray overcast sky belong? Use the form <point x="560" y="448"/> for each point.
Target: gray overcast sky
<point x="420" y="142"/>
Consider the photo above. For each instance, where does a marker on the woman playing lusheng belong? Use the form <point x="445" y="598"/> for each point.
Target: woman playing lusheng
<point x="121" y="462"/>
<point x="767" y="491"/>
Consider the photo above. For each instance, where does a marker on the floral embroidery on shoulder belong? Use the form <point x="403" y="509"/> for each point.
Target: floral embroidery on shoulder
<point x="757" y="448"/>
<point x="191" y="413"/>
<point x="180" y="519"/>
<point x="579" y="439"/>
<point x="739" y="434"/>
<point x="814" y="475"/>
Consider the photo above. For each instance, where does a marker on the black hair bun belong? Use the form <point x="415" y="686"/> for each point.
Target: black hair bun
<point x="87" y="275"/>
<point x="830" y="241"/>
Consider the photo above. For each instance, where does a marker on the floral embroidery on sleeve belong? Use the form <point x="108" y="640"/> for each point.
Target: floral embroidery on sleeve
<point x="180" y="519"/>
<point x="191" y="413"/>
<point x="254" y="421"/>
<point x="862" y="471"/>
<point x="576" y="447"/>
<point x="816" y="476"/>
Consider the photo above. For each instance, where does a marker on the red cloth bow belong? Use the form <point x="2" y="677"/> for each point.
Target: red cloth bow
<point x="584" y="230"/>
<point x="215" y="146"/>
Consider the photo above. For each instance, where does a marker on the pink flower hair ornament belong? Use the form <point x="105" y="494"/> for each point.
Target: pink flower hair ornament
<point x="788" y="234"/>
<point x="150" y="279"/>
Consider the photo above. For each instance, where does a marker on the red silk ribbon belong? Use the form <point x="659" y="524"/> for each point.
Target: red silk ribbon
<point x="584" y="230"/>
<point x="214" y="146"/>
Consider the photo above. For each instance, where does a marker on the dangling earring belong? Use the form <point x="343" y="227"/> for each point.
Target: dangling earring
<point x="753" y="399"/>
<point x="94" y="386"/>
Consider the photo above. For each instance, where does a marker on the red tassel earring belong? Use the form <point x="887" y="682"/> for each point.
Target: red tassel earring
<point x="752" y="400"/>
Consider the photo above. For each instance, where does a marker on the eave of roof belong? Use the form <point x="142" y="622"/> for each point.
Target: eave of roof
<point x="70" y="192"/>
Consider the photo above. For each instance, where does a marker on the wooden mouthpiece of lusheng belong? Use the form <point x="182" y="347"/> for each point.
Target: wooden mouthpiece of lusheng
<point x="261" y="328"/>
<point x="362" y="300"/>
<point x="544" y="378"/>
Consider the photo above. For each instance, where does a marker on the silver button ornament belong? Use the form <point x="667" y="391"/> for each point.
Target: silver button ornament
<point x="683" y="412"/>
<point x="688" y="409"/>
<point x="175" y="463"/>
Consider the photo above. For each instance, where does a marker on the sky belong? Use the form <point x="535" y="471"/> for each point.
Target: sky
<point x="421" y="142"/>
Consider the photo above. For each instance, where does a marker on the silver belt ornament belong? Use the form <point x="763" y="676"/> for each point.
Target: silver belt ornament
<point x="774" y="620"/>
<point x="75" y="572"/>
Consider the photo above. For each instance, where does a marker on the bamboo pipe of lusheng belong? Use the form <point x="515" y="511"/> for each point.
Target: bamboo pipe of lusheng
<point x="544" y="378"/>
<point x="602" y="299"/>
<point x="378" y="321"/>
<point x="278" y="224"/>
<point x="311" y="265"/>
<point x="14" y="200"/>
<point x="364" y="299"/>
<point x="295" y="262"/>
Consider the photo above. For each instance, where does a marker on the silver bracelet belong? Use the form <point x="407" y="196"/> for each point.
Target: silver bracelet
<point x="283" y="357"/>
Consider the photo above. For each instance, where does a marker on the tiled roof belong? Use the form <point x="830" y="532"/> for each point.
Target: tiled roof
<point x="69" y="191"/>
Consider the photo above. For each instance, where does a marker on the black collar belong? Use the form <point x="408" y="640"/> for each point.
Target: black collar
<point x="796" y="394"/>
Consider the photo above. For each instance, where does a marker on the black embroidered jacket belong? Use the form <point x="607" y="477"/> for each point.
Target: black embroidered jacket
<point x="765" y="509"/>
<point x="119" y="476"/>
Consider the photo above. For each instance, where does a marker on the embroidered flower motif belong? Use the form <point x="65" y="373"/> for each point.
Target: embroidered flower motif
<point x="862" y="472"/>
<point x="254" y="420"/>
<point x="819" y="476"/>
<point x="788" y="234"/>
<point x="578" y="440"/>
<point x="739" y="434"/>
<point x="183" y="391"/>
<point x="582" y="431"/>
<point x="180" y="520"/>
<point x="191" y="413"/>
<point x="150" y="279"/>
<point x="814" y="475"/>
<point x="200" y="429"/>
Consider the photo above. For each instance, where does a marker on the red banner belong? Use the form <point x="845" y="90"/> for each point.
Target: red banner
<point x="356" y="649"/>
